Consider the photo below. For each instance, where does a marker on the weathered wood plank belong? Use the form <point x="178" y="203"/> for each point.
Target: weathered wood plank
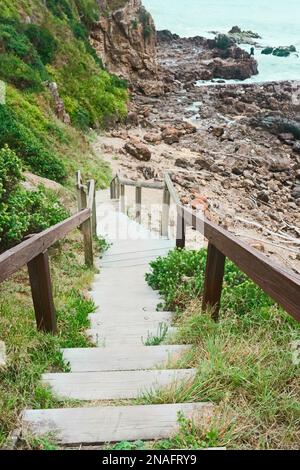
<point x="180" y="229"/>
<point x="282" y="285"/>
<point x="17" y="257"/>
<point x="138" y="204"/>
<point x="109" y="320"/>
<point x="88" y="242"/>
<point x="110" y="336"/>
<point x="171" y="189"/>
<point x="165" y="213"/>
<point x="116" y="358"/>
<point x="41" y="288"/>
<point x="114" y="385"/>
<point x="215" y="266"/>
<point x="113" y="424"/>
<point x="140" y="184"/>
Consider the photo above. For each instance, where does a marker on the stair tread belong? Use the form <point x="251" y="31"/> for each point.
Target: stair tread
<point x="116" y="358"/>
<point x="113" y="385"/>
<point x="124" y="336"/>
<point x="97" y="425"/>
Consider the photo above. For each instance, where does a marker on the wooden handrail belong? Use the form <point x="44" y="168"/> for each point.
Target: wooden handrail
<point x="280" y="284"/>
<point x="140" y="184"/>
<point x="14" y="259"/>
<point x="33" y="252"/>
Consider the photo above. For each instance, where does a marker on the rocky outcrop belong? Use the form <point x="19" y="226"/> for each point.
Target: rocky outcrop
<point x="125" y="40"/>
<point x="59" y="105"/>
<point x="198" y="58"/>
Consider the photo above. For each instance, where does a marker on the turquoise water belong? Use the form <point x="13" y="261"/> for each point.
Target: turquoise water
<point x="277" y="21"/>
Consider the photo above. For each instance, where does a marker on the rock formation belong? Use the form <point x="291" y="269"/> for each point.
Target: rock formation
<point x="125" y="40"/>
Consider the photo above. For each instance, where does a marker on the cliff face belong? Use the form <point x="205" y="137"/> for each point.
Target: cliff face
<point x="125" y="40"/>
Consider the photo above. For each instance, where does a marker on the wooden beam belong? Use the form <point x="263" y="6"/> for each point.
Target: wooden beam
<point x="281" y="285"/>
<point x="138" y="204"/>
<point x="215" y="266"/>
<point x="165" y="212"/>
<point x="122" y="198"/>
<point x="180" y="228"/>
<point x="88" y="242"/>
<point x="17" y="257"/>
<point x="41" y="288"/>
<point x="141" y="184"/>
<point x="171" y="189"/>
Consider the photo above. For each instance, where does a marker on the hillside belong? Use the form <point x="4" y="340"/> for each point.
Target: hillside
<point x="56" y="85"/>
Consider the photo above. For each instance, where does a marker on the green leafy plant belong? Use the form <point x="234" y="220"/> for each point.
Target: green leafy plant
<point x="23" y="212"/>
<point x="179" y="278"/>
<point x="125" y="445"/>
<point x="156" y="340"/>
<point x="28" y="144"/>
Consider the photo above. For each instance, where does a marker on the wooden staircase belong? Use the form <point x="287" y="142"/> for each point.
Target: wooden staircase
<point x="121" y="366"/>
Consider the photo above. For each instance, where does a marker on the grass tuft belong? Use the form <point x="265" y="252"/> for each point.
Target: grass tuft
<point x="31" y="353"/>
<point x="244" y="362"/>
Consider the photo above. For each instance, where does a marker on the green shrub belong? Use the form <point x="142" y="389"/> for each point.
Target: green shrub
<point x="88" y="11"/>
<point x="32" y="149"/>
<point x="20" y="47"/>
<point x="23" y="212"/>
<point x="179" y="277"/>
<point x="60" y="8"/>
<point x="43" y="41"/>
<point x="15" y="71"/>
<point x="10" y="172"/>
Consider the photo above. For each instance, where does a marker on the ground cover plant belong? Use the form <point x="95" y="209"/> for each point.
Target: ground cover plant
<point x="244" y="361"/>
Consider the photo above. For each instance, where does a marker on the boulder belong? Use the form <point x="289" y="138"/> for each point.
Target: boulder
<point x="217" y="131"/>
<point x="148" y="172"/>
<point x="286" y="137"/>
<point x="171" y="135"/>
<point x="296" y="192"/>
<point x="279" y="164"/>
<point x="296" y="147"/>
<point x="182" y="163"/>
<point x="279" y="124"/>
<point x="138" y="150"/>
<point x="153" y="138"/>
<point x="204" y="163"/>
<point x="132" y="118"/>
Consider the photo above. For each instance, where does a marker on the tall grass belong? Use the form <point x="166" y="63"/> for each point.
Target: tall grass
<point x="244" y="362"/>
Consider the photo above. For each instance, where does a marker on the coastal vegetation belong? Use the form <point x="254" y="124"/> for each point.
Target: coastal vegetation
<point x="244" y="361"/>
<point x="29" y="352"/>
<point x="42" y="43"/>
<point x="48" y="42"/>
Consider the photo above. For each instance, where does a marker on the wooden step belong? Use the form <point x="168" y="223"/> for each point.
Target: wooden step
<point x="75" y="426"/>
<point x="119" y="358"/>
<point x="114" y="385"/>
<point x="123" y="336"/>
<point x="141" y="320"/>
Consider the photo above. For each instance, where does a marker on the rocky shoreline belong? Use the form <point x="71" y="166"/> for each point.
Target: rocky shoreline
<point x="234" y="149"/>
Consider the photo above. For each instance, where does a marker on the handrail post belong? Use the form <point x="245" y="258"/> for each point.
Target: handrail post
<point x="42" y="296"/>
<point x="93" y="207"/>
<point x="86" y="229"/>
<point x="113" y="192"/>
<point x="138" y="204"/>
<point x="215" y="267"/>
<point x="180" y="228"/>
<point x="165" y="212"/>
<point x="122" y="198"/>
<point x="81" y="198"/>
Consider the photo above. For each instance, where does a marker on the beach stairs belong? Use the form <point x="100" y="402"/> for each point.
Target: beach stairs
<point x="124" y="365"/>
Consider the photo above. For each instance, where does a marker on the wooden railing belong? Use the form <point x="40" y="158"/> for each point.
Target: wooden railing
<point x="33" y="252"/>
<point x="280" y="284"/>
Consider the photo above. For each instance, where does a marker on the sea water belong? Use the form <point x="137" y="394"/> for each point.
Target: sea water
<point x="276" y="21"/>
